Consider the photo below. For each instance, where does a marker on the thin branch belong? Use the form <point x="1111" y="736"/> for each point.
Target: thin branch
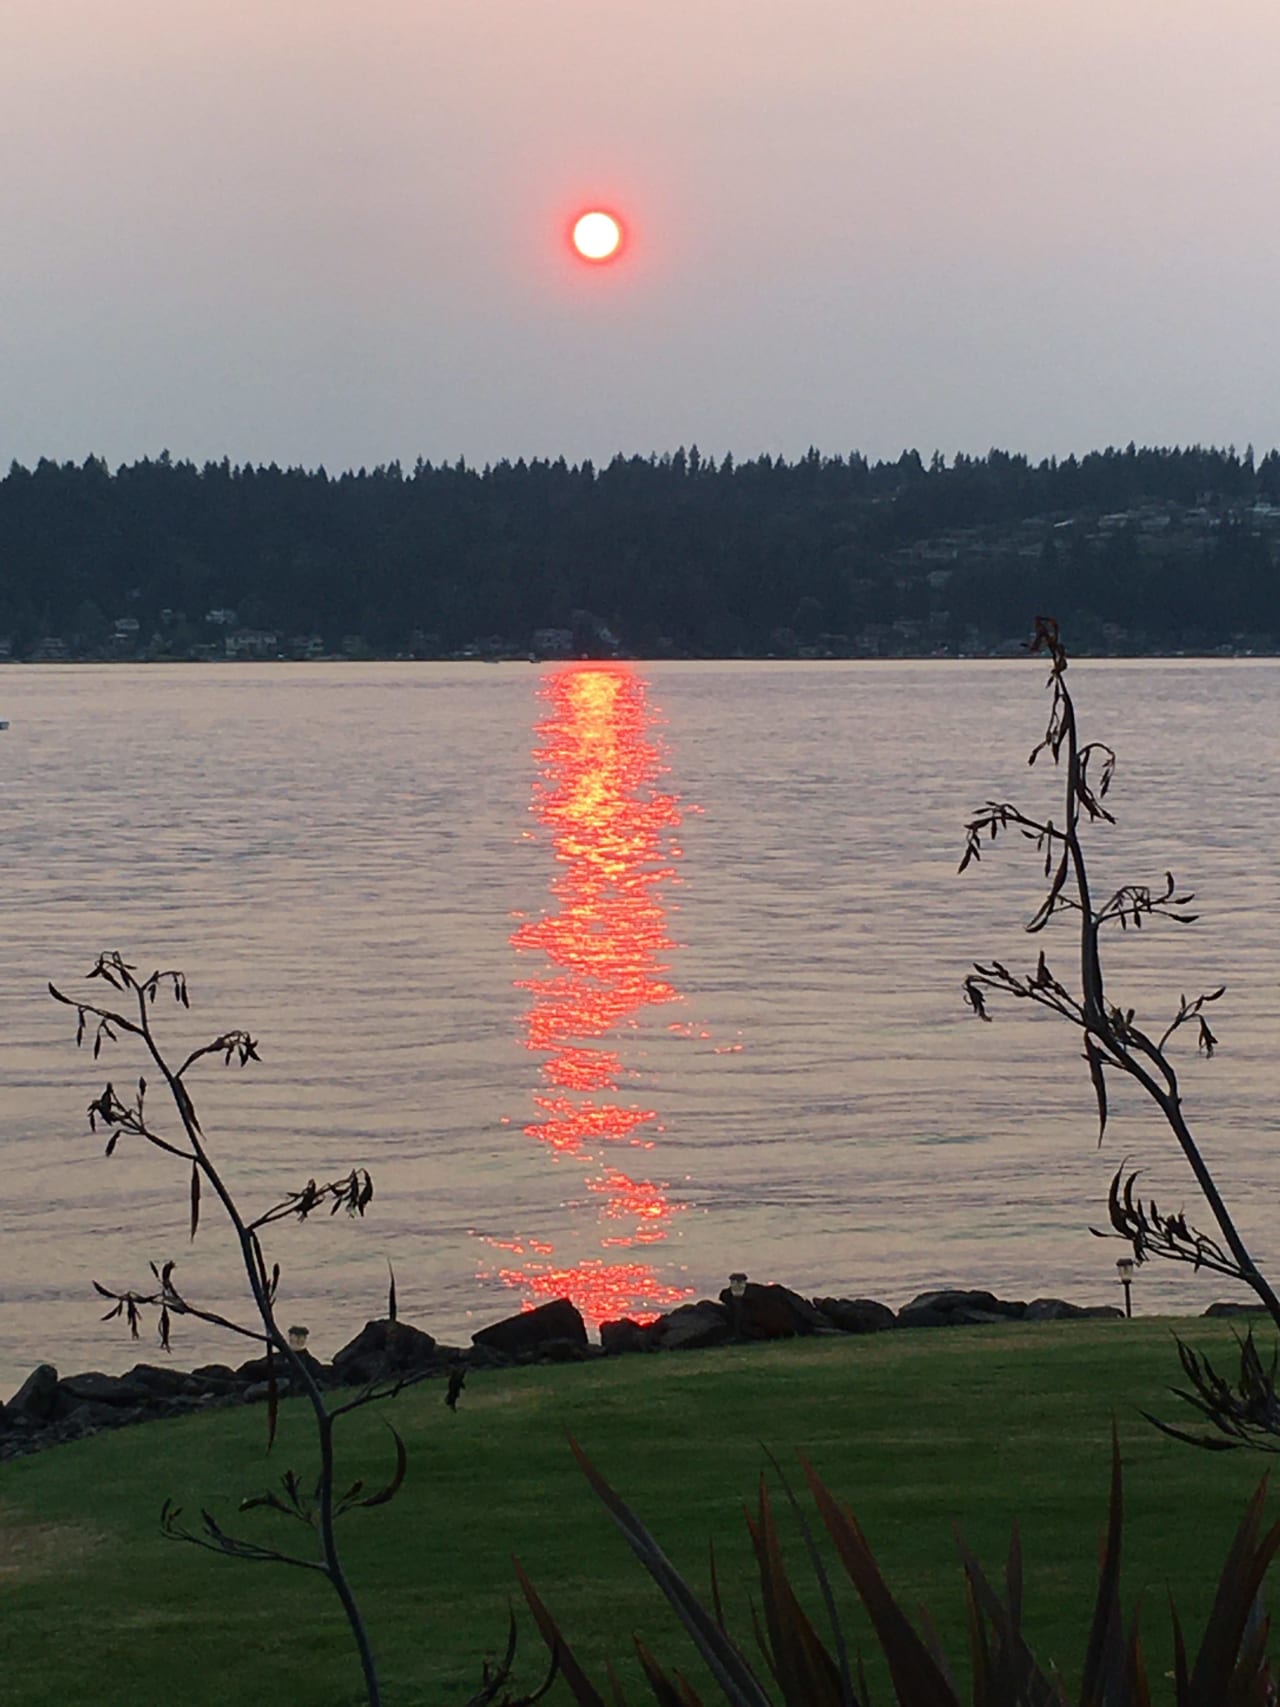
<point x="378" y="1390"/>
<point x="353" y="1192"/>
<point x="1113" y="1040"/>
<point x="217" y="1540"/>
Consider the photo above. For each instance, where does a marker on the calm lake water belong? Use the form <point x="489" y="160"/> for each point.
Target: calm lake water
<point x="615" y="979"/>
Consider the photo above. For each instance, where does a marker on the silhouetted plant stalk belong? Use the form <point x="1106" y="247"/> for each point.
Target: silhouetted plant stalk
<point x="318" y="1504"/>
<point x="1113" y="1040"/>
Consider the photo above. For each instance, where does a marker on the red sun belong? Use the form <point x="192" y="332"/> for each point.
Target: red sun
<point x="597" y="236"/>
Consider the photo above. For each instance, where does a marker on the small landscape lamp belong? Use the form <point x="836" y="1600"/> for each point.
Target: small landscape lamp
<point x="1125" y="1267"/>
<point x="737" y="1283"/>
<point x="298" y="1339"/>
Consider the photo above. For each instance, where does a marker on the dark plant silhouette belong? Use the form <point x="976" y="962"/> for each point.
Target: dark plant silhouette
<point x="1113" y="1039"/>
<point x="802" y="1669"/>
<point x="316" y="1502"/>
<point x="1243" y="1413"/>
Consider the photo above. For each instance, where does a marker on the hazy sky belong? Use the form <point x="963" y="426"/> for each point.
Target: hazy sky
<point x="312" y="231"/>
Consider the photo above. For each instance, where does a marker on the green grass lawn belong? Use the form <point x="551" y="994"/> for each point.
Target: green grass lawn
<point x="918" y="1432"/>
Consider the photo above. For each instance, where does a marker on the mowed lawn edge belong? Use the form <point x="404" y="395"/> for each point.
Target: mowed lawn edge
<point x="919" y="1432"/>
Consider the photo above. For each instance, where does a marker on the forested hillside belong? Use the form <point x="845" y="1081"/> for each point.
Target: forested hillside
<point x="678" y="555"/>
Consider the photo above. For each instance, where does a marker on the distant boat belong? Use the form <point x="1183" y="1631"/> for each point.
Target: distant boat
<point x="4" y="722"/>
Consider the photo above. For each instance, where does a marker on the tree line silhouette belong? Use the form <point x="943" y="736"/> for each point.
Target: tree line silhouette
<point x="1136" y="548"/>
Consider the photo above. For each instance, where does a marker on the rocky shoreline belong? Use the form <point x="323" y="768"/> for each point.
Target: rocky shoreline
<point x="49" y="1409"/>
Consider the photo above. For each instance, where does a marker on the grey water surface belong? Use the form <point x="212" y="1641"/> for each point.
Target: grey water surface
<point x="338" y="856"/>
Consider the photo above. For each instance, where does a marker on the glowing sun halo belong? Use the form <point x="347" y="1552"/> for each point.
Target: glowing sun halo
<point x="597" y="236"/>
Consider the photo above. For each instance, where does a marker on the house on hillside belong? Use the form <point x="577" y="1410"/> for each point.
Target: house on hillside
<point x="552" y="643"/>
<point x="251" y="643"/>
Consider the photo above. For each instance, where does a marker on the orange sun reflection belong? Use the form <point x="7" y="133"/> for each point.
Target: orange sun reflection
<point x="611" y="825"/>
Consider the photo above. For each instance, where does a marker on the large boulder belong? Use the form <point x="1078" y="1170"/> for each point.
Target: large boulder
<point x="97" y="1389"/>
<point x="216" y="1380"/>
<point x="1059" y="1310"/>
<point x="626" y="1335"/>
<point x="949" y="1307"/>
<point x="36" y="1401"/>
<point x="857" y="1315"/>
<point x="770" y="1313"/>
<point x="691" y="1326"/>
<point x="524" y="1335"/>
<point x="162" y="1383"/>
<point x="259" y="1369"/>
<point x="488" y="1357"/>
<point x="383" y="1350"/>
<point x="923" y="1316"/>
<point x="1237" y="1307"/>
<point x="566" y="1351"/>
<point x="1052" y="1310"/>
<point x="91" y="1416"/>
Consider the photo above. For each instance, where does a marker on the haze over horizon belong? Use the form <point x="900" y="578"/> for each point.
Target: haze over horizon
<point x="320" y="234"/>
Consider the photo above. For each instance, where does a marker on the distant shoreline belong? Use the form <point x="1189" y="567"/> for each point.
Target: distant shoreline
<point x="1220" y="655"/>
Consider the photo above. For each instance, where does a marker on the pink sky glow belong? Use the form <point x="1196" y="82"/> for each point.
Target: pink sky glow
<point x="319" y="232"/>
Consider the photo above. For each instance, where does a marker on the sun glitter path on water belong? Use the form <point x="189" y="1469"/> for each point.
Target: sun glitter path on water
<point x="611" y="829"/>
